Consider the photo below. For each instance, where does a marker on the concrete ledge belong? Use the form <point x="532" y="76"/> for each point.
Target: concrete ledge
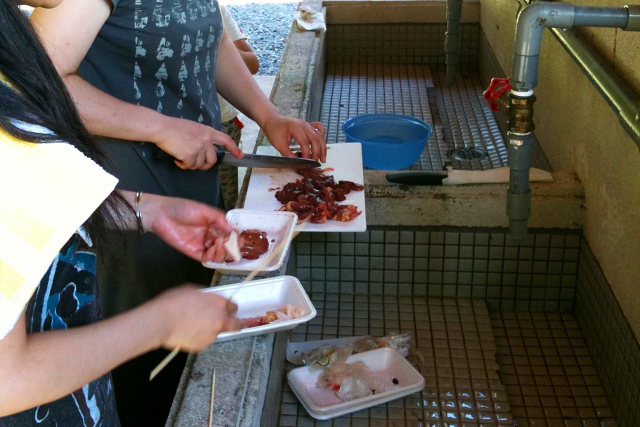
<point x="241" y="378"/>
<point x="559" y="204"/>
<point x="396" y="12"/>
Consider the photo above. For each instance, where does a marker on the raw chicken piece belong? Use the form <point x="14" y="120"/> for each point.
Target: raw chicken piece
<point x="232" y="247"/>
<point x="287" y="312"/>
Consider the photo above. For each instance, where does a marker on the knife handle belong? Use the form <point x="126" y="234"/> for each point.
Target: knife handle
<point x="160" y="155"/>
<point x="417" y="177"/>
<point x="220" y="156"/>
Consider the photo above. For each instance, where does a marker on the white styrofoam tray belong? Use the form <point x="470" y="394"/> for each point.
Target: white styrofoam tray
<point x="256" y="297"/>
<point x="386" y="363"/>
<point x="278" y="225"/>
<point x="344" y="158"/>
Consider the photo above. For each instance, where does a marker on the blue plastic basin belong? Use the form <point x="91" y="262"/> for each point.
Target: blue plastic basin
<point x="389" y="141"/>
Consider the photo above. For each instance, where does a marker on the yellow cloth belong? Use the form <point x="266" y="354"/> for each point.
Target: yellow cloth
<point x="47" y="191"/>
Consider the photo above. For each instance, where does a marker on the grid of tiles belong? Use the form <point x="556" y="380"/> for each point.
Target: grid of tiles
<point x="467" y="122"/>
<point x="460" y="117"/>
<point x="614" y="347"/>
<point x="400" y="44"/>
<point x="536" y="275"/>
<point x="548" y="372"/>
<point x="455" y="353"/>
<point x="387" y="68"/>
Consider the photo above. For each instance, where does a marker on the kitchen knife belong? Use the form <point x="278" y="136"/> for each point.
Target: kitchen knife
<point x="262" y="161"/>
<point x="451" y="176"/>
<point x="256" y="161"/>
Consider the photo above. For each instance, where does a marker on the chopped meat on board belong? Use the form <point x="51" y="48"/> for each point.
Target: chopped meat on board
<point x="313" y="197"/>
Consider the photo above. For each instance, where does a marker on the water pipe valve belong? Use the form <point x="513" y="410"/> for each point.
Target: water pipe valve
<point x="498" y="87"/>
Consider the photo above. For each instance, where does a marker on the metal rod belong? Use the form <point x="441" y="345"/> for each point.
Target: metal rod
<point x="452" y="38"/>
<point x="620" y="96"/>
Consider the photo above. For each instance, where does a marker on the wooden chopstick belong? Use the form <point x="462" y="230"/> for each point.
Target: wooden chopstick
<point x="164" y="363"/>
<point x="213" y="396"/>
<point x="271" y="256"/>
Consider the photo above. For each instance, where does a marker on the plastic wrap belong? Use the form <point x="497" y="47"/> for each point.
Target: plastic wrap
<point x="327" y="355"/>
<point x="350" y="380"/>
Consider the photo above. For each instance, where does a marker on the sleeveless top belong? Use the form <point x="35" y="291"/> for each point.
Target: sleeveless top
<point x="160" y="54"/>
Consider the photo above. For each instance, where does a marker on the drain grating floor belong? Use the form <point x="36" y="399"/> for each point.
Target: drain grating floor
<point x="455" y="354"/>
<point x="465" y="131"/>
<point x="548" y="371"/>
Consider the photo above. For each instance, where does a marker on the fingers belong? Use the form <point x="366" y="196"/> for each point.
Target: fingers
<point x="304" y="148"/>
<point x="319" y="128"/>
<point x="211" y="157"/>
<point x="312" y="141"/>
<point x="224" y="140"/>
<point x="321" y="145"/>
<point x="231" y="307"/>
<point x="215" y="252"/>
<point x="233" y="324"/>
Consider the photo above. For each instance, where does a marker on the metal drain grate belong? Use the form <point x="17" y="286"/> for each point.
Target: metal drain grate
<point x="453" y="338"/>
<point x="460" y="118"/>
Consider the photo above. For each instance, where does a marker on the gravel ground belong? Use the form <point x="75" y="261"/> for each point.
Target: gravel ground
<point x="267" y="25"/>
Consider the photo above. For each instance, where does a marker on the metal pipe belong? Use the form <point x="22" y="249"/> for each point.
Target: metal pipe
<point x="620" y="96"/>
<point x="611" y="17"/>
<point x="519" y="193"/>
<point x="531" y="23"/>
<point x="452" y="38"/>
<point x="536" y="17"/>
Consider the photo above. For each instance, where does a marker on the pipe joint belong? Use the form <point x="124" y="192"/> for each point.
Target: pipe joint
<point x="521" y="114"/>
<point x="633" y="22"/>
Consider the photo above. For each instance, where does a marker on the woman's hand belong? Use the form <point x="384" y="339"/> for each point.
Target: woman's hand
<point x="191" y="144"/>
<point x="195" y="229"/>
<point x="192" y="319"/>
<point x="281" y="131"/>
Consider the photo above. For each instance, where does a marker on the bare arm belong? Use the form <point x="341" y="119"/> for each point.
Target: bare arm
<point x="236" y="85"/>
<point x="190" y="143"/>
<point x="248" y="55"/>
<point x="41" y="367"/>
<point x="195" y="229"/>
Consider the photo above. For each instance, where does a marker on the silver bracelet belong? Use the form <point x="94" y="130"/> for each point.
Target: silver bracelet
<point x="138" y="212"/>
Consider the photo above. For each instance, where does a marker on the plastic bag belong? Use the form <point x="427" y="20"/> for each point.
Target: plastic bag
<point x="350" y="380"/>
<point x="329" y="354"/>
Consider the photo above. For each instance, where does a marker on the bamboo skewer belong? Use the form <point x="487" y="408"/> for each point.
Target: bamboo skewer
<point x="271" y="256"/>
<point x="213" y="396"/>
<point x="169" y="357"/>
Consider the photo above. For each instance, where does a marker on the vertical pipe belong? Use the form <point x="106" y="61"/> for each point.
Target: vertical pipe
<point x="452" y="38"/>
<point x="519" y="193"/>
<point x="531" y="23"/>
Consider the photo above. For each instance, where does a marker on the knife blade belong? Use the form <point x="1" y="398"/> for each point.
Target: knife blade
<point x="451" y="176"/>
<point x="264" y="161"/>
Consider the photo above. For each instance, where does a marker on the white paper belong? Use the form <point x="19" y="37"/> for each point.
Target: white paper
<point x="47" y="191"/>
<point x="309" y="19"/>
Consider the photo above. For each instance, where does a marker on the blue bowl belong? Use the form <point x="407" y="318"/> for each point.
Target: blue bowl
<point x="389" y="141"/>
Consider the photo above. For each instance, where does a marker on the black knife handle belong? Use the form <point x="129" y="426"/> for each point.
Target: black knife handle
<point x="417" y="177"/>
<point x="220" y="154"/>
<point x="159" y="155"/>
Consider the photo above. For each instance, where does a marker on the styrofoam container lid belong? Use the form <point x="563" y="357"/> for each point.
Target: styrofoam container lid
<point x="386" y="364"/>
<point x="256" y="297"/>
<point x="278" y="225"/>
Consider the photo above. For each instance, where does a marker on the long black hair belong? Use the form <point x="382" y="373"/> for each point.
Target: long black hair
<point x="38" y="95"/>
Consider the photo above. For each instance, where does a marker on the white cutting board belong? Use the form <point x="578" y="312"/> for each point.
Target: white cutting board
<point x="345" y="159"/>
